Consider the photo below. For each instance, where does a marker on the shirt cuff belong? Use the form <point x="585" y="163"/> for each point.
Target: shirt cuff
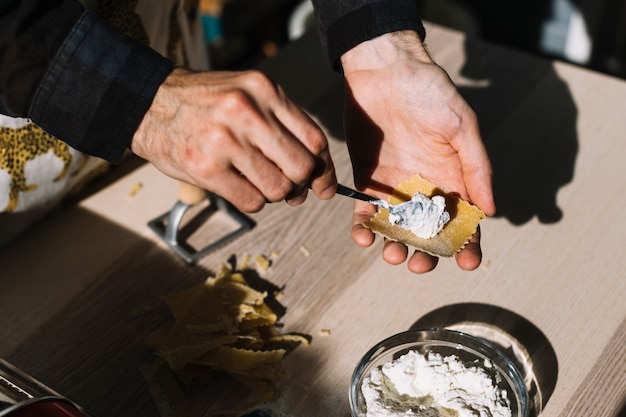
<point x="367" y="23"/>
<point x="98" y="88"/>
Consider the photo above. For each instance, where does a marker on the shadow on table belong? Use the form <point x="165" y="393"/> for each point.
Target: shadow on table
<point x="518" y="338"/>
<point x="528" y="122"/>
<point x="91" y="349"/>
<point x="109" y="283"/>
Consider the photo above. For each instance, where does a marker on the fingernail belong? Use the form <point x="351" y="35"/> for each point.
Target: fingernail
<point x="296" y="192"/>
<point x="296" y="200"/>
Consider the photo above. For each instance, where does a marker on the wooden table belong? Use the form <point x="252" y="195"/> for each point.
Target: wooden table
<point x="552" y="284"/>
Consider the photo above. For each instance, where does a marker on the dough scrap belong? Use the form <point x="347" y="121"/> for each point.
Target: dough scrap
<point x="220" y="326"/>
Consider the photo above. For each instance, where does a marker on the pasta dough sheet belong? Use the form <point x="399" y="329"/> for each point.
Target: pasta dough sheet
<point x="464" y="219"/>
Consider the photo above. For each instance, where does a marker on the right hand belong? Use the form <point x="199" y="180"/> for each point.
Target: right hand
<point x="236" y="134"/>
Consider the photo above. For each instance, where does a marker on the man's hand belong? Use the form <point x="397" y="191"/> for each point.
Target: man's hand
<point x="238" y="135"/>
<point x="404" y="116"/>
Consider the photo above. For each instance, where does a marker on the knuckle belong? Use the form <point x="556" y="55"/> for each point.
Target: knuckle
<point x="279" y="191"/>
<point x="236" y="101"/>
<point x="316" y="142"/>
<point x="203" y="169"/>
<point x="258" y="81"/>
<point x="201" y="161"/>
<point x="252" y="204"/>
<point x="305" y="171"/>
<point x="218" y="136"/>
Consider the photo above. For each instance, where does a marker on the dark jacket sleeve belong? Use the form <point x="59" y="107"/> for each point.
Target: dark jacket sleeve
<point x="74" y="75"/>
<point x="344" y="24"/>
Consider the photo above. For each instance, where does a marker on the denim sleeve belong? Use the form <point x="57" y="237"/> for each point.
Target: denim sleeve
<point x="98" y="88"/>
<point x="344" y="24"/>
<point x="31" y="32"/>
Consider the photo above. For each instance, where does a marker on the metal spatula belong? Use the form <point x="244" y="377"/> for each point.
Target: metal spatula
<point x="349" y="192"/>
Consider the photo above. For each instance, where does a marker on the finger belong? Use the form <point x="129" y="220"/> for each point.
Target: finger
<point x="470" y="256"/>
<point x="277" y="162"/>
<point x="323" y="179"/>
<point x="259" y="130"/>
<point x="394" y="253"/>
<point x="361" y="235"/>
<point x="422" y="262"/>
<point x="239" y="191"/>
<point x="297" y="196"/>
<point x="296" y="121"/>
<point x="263" y="174"/>
<point x="299" y="164"/>
<point x="362" y="212"/>
<point x="324" y="183"/>
<point x="285" y="150"/>
<point x="478" y="182"/>
<point x="477" y="173"/>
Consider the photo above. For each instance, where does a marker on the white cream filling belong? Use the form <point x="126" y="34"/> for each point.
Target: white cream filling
<point x="424" y="217"/>
<point x="416" y="385"/>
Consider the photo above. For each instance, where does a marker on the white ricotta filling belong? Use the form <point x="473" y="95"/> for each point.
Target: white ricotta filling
<point x="416" y="385"/>
<point x="424" y="217"/>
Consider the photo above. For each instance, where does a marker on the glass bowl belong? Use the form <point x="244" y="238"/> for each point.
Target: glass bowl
<point x="470" y="350"/>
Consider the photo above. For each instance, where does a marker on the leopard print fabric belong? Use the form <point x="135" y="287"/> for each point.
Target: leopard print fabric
<point x="21" y="148"/>
<point x="18" y="146"/>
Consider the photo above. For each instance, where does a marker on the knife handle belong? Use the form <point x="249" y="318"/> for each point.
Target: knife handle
<point x="190" y="194"/>
<point x="349" y="192"/>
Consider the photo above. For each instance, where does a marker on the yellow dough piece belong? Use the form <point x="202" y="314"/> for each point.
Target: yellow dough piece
<point x="222" y="325"/>
<point x="464" y="219"/>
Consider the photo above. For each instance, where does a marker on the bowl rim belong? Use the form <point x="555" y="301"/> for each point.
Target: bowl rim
<point x="453" y="337"/>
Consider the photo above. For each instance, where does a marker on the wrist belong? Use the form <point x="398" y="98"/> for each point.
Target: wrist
<point x="385" y="50"/>
<point x="163" y="108"/>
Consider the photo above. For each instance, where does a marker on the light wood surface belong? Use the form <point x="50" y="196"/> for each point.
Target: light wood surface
<point x="552" y="284"/>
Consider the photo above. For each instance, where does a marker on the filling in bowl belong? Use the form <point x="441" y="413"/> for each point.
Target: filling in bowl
<point x="430" y="385"/>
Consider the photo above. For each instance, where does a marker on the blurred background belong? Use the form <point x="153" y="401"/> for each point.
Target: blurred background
<point x="589" y="33"/>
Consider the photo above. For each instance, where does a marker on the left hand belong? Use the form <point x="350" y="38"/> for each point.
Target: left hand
<point x="404" y="116"/>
